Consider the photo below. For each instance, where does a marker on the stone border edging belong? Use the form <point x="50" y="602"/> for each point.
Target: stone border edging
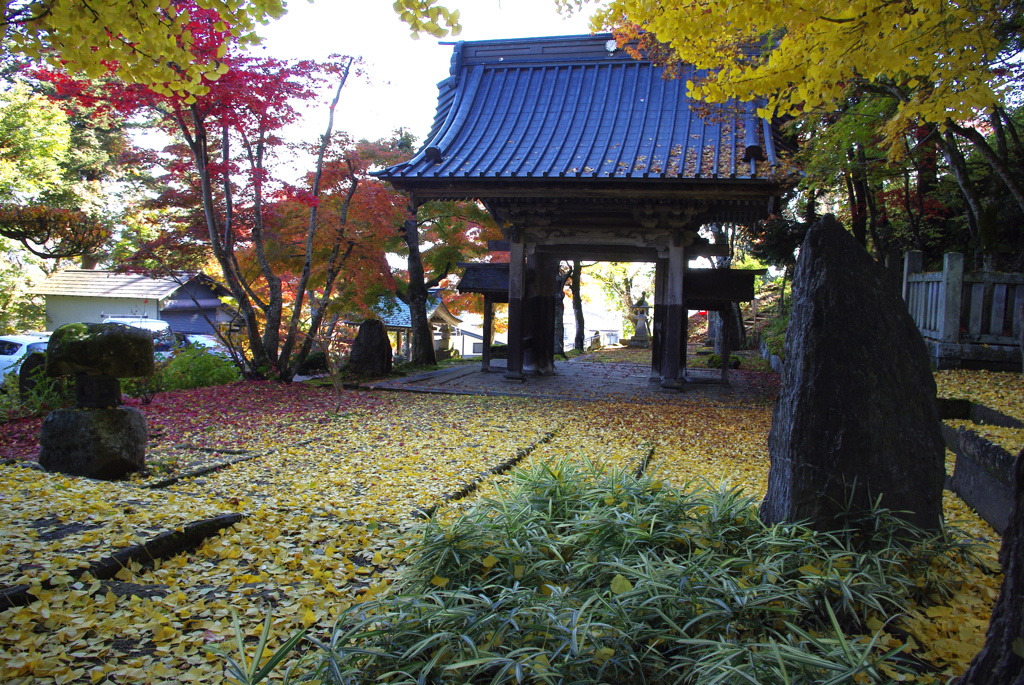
<point x="951" y="408"/>
<point x="778" y="366"/>
<point x="163" y="546"/>
<point x="644" y="463"/>
<point x="472" y="485"/>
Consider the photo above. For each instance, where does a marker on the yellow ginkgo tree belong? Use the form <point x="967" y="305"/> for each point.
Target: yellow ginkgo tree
<point x="949" y="64"/>
<point x="149" y="41"/>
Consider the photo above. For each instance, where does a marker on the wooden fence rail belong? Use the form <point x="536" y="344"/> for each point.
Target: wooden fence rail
<point x="966" y="318"/>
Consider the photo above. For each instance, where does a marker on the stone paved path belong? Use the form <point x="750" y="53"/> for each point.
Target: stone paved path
<point x="580" y="379"/>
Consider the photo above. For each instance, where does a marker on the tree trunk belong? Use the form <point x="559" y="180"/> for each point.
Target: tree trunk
<point x="998" y="165"/>
<point x="856" y="188"/>
<point x="958" y="165"/>
<point x="422" y="338"/>
<point x="1001" y="660"/>
<point x="577" y="305"/>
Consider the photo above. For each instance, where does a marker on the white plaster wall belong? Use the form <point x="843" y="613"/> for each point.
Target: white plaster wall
<point x="62" y="309"/>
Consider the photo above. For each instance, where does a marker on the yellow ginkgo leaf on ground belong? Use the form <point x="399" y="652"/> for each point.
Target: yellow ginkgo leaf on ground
<point x="489" y="561"/>
<point x="620" y="584"/>
<point x="438" y="581"/>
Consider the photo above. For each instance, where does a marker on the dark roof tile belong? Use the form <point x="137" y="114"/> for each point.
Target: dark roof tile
<point x="568" y="107"/>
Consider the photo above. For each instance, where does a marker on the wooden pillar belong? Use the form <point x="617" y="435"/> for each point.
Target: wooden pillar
<point x="543" y="304"/>
<point x="952" y="296"/>
<point x="675" y="318"/>
<point x="658" y="327"/>
<point x="726" y="332"/>
<point x="516" y="293"/>
<point x="485" y="364"/>
<point x="913" y="263"/>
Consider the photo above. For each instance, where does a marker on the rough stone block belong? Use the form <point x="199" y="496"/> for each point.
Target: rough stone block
<point x="856" y="419"/>
<point x="371" y="350"/>
<point x="106" y="444"/>
<point x="983" y="478"/>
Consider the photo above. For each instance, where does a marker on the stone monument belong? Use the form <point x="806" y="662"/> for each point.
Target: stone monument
<point x="856" y="419"/>
<point x="371" y="351"/>
<point x="98" y="438"/>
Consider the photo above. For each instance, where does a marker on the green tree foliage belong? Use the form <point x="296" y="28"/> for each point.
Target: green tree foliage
<point x="35" y="138"/>
<point x="19" y="311"/>
<point x="623" y="283"/>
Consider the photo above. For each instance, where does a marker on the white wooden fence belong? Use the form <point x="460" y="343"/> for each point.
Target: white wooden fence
<point x="965" y="317"/>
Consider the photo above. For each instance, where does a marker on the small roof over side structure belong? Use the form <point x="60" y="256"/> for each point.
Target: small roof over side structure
<point x="489" y="278"/>
<point x="396" y="316"/>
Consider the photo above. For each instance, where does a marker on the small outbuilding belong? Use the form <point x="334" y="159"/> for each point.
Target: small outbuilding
<point x="188" y="302"/>
<point x="398" y="320"/>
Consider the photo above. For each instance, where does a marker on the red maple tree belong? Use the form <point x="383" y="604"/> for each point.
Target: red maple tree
<point x="281" y="249"/>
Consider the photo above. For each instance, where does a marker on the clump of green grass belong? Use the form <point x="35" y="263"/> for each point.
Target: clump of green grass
<point x="584" y="575"/>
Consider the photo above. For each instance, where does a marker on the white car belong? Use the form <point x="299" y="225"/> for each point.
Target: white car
<point x="208" y="343"/>
<point x="163" y="338"/>
<point x="14" y="348"/>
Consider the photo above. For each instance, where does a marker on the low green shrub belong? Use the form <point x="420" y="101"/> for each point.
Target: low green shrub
<point x="185" y="369"/>
<point x="196" y="368"/>
<point x="715" y="362"/>
<point x="582" y="575"/>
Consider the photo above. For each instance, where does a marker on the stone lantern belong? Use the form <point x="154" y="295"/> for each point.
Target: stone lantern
<point x="98" y="438"/>
<point x="642" y="335"/>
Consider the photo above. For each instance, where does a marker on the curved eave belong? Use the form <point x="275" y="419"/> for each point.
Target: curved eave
<point x="458" y="188"/>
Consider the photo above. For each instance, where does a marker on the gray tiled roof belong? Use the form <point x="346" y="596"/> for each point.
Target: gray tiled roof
<point x="95" y="283"/>
<point x="568" y="107"/>
<point x="395" y="313"/>
<point x="480" y="277"/>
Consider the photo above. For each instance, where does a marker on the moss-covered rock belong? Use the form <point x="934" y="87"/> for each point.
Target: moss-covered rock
<point x="100" y="348"/>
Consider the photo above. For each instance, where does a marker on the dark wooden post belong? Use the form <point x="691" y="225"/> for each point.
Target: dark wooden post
<point x="485" y="364"/>
<point x="545" y="286"/>
<point x="675" y="317"/>
<point x="725" y="330"/>
<point x="658" y="327"/>
<point x="516" y="291"/>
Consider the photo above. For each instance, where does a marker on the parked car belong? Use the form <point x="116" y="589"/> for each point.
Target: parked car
<point x="14" y="349"/>
<point x="164" y="341"/>
<point x="209" y="343"/>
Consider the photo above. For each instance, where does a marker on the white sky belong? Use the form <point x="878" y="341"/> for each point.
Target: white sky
<point x="403" y="73"/>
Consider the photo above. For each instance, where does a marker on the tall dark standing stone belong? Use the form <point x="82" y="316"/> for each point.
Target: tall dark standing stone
<point x="857" y="417"/>
<point x="1001" y="660"/>
<point x="371" y="350"/>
